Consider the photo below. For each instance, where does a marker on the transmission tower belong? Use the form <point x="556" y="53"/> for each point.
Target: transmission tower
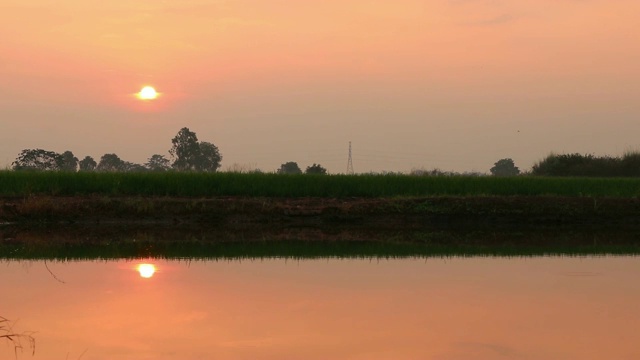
<point x="350" y="162"/>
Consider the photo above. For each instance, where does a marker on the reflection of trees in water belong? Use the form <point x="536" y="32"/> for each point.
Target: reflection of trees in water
<point x="19" y="340"/>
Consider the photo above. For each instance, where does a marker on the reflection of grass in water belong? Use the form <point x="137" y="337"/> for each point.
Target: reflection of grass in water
<point x="304" y="250"/>
<point x="107" y="242"/>
<point x="17" y="340"/>
<point x="21" y="183"/>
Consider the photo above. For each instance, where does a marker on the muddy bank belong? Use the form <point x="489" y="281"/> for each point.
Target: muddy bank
<point x="240" y="212"/>
<point x="133" y="227"/>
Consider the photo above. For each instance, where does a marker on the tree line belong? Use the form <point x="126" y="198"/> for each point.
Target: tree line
<point x="187" y="154"/>
<point x="577" y="165"/>
<point x="589" y="165"/>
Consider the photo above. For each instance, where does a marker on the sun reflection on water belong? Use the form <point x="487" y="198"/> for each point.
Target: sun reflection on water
<point x="146" y="270"/>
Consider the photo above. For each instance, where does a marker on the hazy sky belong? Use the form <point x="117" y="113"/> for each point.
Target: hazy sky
<point x="452" y="84"/>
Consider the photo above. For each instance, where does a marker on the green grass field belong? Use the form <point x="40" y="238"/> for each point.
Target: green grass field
<point x="18" y="183"/>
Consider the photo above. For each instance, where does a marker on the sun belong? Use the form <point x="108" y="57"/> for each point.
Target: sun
<point x="146" y="270"/>
<point x="147" y="93"/>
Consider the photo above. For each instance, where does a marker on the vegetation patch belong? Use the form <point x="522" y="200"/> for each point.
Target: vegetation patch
<point x="589" y="165"/>
<point x="179" y="242"/>
<point x="199" y="184"/>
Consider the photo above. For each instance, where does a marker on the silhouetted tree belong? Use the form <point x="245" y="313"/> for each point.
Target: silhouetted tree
<point x="289" y="168"/>
<point x="68" y="162"/>
<point x="191" y="155"/>
<point x="504" y="167"/>
<point x="186" y="150"/>
<point x="87" y="164"/>
<point x="210" y="157"/>
<point x="158" y="163"/>
<point x="111" y="163"/>
<point x="316" y="169"/>
<point x="37" y="159"/>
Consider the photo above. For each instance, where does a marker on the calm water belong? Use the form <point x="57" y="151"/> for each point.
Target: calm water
<point x="435" y="308"/>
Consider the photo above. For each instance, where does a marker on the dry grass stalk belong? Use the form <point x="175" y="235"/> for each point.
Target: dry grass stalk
<point x="19" y="341"/>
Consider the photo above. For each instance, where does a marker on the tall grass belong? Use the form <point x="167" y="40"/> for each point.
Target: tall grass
<point x="18" y="183"/>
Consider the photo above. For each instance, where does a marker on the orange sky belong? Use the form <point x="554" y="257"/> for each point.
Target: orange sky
<point x="440" y="309"/>
<point x="453" y="84"/>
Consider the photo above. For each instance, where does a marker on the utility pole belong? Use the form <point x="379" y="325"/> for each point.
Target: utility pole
<point x="350" y="162"/>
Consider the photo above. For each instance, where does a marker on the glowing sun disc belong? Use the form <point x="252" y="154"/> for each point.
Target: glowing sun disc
<point x="146" y="270"/>
<point x="147" y="93"/>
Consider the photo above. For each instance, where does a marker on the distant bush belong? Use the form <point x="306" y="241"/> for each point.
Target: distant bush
<point x="316" y="169"/>
<point x="588" y="165"/>
<point x="504" y="167"/>
<point x="290" y="167"/>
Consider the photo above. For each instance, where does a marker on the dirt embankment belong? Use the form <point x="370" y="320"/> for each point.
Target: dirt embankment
<point x="381" y="212"/>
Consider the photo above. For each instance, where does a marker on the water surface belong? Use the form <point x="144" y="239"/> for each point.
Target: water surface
<point x="584" y="307"/>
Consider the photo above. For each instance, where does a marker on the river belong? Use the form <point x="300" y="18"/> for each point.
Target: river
<point x="414" y="307"/>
